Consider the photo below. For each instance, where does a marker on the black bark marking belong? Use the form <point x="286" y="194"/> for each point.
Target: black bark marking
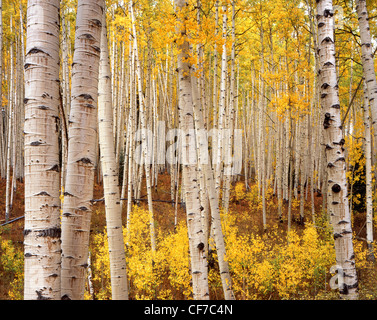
<point x="35" y="143"/>
<point x="328" y="13"/>
<point x="87" y="36"/>
<point x="327" y="39"/>
<point x="336" y="188"/>
<point x="97" y="49"/>
<point x="201" y="246"/>
<point x="328" y="64"/>
<point x="85" y="160"/>
<point x="40" y="296"/>
<point x="54" y="168"/>
<point x="337" y="235"/>
<point x="28" y="255"/>
<point x="96" y="22"/>
<point x="326" y="122"/>
<point x="53" y="232"/>
<point x="85" y="96"/>
<point x="43" y="193"/>
<point x="43" y="107"/>
<point x="36" y="50"/>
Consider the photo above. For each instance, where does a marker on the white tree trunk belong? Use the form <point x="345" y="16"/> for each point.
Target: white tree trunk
<point x="336" y="170"/>
<point x="206" y="166"/>
<point x="367" y="60"/>
<point x="199" y="266"/>
<point x="118" y="272"/>
<point x="42" y="204"/>
<point x="146" y="146"/>
<point x="368" y="175"/>
<point x="82" y="135"/>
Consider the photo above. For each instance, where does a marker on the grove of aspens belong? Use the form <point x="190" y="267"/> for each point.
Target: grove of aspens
<point x="188" y="150"/>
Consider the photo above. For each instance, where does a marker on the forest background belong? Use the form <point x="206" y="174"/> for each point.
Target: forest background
<point x="255" y="66"/>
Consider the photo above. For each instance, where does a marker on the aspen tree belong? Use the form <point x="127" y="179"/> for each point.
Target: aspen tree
<point x="145" y="147"/>
<point x="42" y="204"/>
<point x="82" y="135"/>
<point x="213" y="198"/>
<point x="198" y="256"/>
<point x="368" y="175"/>
<point x="65" y="102"/>
<point x="367" y="60"/>
<point x="215" y="80"/>
<point x="262" y="163"/>
<point x="230" y="125"/>
<point x="10" y="129"/>
<point x="334" y="142"/>
<point x="118" y="273"/>
<point x="222" y="104"/>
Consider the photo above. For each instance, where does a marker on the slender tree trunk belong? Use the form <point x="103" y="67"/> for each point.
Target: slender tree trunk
<point x="367" y="60"/>
<point x="368" y="175"/>
<point x="334" y="142"/>
<point x="228" y="150"/>
<point x="42" y="204"/>
<point x="118" y="272"/>
<point x="146" y="146"/>
<point x="222" y="107"/>
<point x="82" y="135"/>
<point x="199" y="267"/>
<point x="206" y="166"/>
<point x="11" y="122"/>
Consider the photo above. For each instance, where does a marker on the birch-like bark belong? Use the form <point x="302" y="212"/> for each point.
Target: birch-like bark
<point x="222" y="107"/>
<point x="336" y="170"/>
<point x="367" y="60"/>
<point x="81" y="163"/>
<point x="65" y="104"/>
<point x="368" y="175"/>
<point x="206" y="166"/>
<point x="42" y="204"/>
<point x="228" y="150"/>
<point x="199" y="266"/>
<point x="118" y="272"/>
<point x="145" y="146"/>
<point x="9" y="137"/>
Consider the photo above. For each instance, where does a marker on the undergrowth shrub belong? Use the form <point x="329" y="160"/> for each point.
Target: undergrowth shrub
<point x="12" y="268"/>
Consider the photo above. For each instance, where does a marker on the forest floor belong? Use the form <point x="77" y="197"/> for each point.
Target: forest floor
<point x="165" y="216"/>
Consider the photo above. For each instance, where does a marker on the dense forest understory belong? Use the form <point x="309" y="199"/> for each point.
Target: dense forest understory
<point x="258" y="272"/>
<point x="188" y="149"/>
